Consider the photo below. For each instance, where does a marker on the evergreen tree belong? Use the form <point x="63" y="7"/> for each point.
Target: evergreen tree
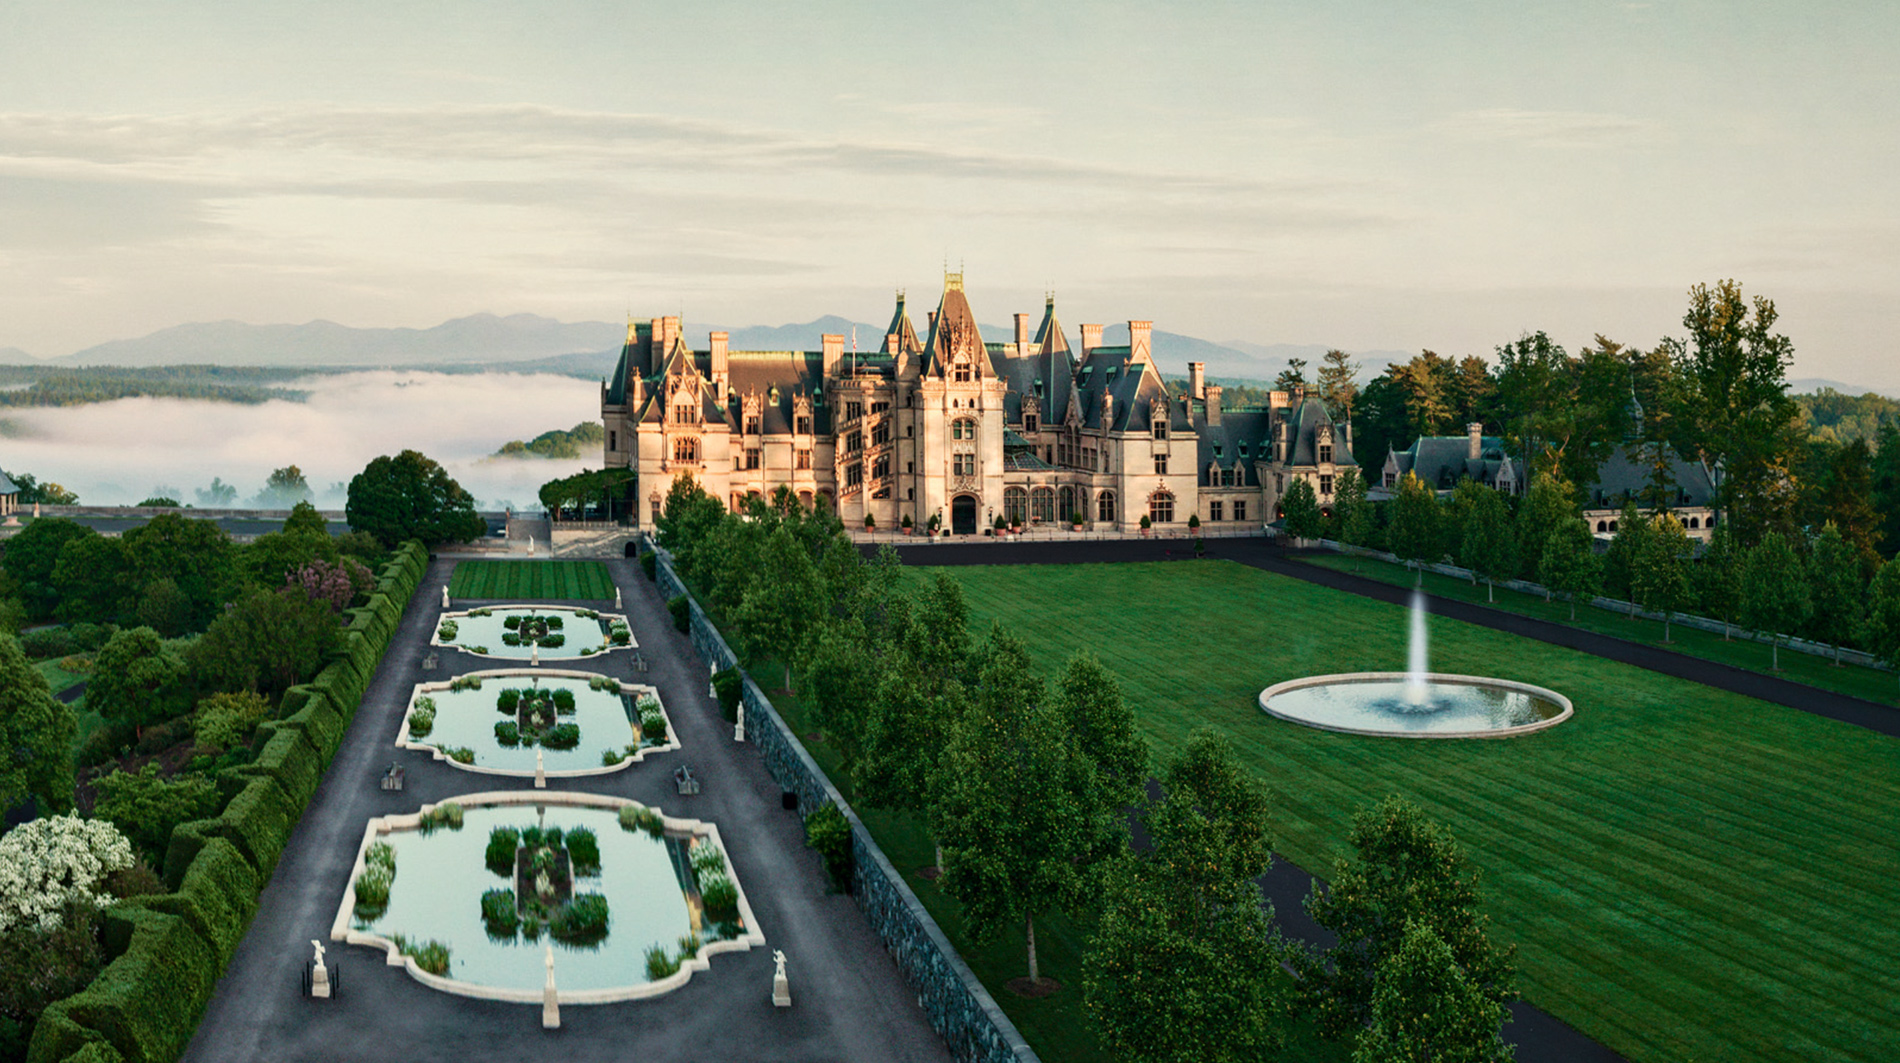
<point x="1775" y="598"/>
<point x="1425" y="1009"/>
<point x="1293" y="376"/>
<point x="1719" y="577"/>
<point x="1416" y="535"/>
<point x="1839" y="592"/>
<point x="1882" y="630"/>
<point x="1339" y="384"/>
<point x="1301" y="509"/>
<point x="1569" y="565"/>
<point x="1848" y="501"/>
<point x="1408" y="871"/>
<point x="1489" y="549"/>
<point x="1659" y="571"/>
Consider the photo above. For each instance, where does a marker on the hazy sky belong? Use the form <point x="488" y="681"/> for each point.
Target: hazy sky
<point x="1369" y="175"/>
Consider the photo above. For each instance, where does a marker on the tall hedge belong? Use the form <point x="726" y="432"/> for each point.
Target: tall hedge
<point x="169" y="949"/>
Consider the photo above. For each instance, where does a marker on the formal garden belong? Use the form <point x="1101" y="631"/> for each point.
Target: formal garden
<point x="540" y="633"/>
<point x="491" y="893"/>
<point x="546" y="581"/>
<point x="565" y="723"/>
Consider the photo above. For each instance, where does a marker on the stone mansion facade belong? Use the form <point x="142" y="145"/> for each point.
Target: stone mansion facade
<point x="952" y="427"/>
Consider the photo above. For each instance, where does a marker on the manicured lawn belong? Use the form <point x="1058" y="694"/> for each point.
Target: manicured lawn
<point x="1869" y="683"/>
<point x="1688" y="874"/>
<point x="544" y="581"/>
<point x="56" y="677"/>
<point x="1057" y="1026"/>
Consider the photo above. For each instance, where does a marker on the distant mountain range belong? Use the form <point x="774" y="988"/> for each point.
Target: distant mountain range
<point x="589" y="349"/>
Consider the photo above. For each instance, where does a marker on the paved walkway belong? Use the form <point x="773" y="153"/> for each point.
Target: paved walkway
<point x="850" y="1001"/>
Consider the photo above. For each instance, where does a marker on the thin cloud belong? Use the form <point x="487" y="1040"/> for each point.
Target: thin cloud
<point x="1553" y="128"/>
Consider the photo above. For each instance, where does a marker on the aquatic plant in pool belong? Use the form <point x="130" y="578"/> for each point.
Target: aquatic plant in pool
<point x="544" y="631"/>
<point x="517" y="876"/>
<point x="498" y="722"/>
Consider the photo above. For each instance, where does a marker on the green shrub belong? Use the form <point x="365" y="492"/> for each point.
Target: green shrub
<point x="499" y="916"/>
<point x="729" y="685"/>
<point x="381" y="854"/>
<point x="553" y="838"/>
<point x="145" y="805"/>
<point x="447" y="631"/>
<point x="682" y="611"/>
<point x="720" y="896"/>
<point x="422" y="718"/>
<point x="611" y="757"/>
<point x="512" y="623"/>
<point x="372" y="888"/>
<point x="659" y="964"/>
<point x="500" y="855"/>
<point x="228" y="719"/>
<point x="507" y="732"/>
<point x="827" y="831"/>
<point x="583" y="848"/>
<point x="458" y="754"/>
<point x="465" y="682"/>
<point x="145" y="1003"/>
<point x="562" y="736"/>
<point x="258" y="821"/>
<point x="636" y="817"/>
<point x="621" y="636"/>
<point x="217" y="897"/>
<point x="432" y="956"/>
<point x="554" y="642"/>
<point x="556" y="623"/>
<point x="706" y="857"/>
<point x="509" y="638"/>
<point x="650" y="564"/>
<point x="564" y="700"/>
<point x="581" y="921"/>
<point x="288" y="758"/>
<point x="653" y="727"/>
<point x="447" y="814"/>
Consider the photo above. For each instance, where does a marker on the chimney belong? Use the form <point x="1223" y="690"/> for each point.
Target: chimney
<point x="1213" y="403"/>
<point x="890" y="343"/>
<point x="669" y="331"/>
<point x="1139" y="333"/>
<point x="1197" y="379"/>
<point x="716" y="364"/>
<point x="1474" y="440"/>
<point x="1022" y="332"/>
<point x="1276" y="400"/>
<point x="1091" y="338"/>
<point x="834" y="351"/>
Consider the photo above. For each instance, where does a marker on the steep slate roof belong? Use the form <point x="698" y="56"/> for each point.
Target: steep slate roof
<point x="1222" y="444"/>
<point x="790" y="373"/>
<point x="1306" y="423"/>
<point x="900" y="325"/>
<point x="1625" y="474"/>
<point x="1132" y="382"/>
<point x="1441" y="461"/>
<point x="953" y="332"/>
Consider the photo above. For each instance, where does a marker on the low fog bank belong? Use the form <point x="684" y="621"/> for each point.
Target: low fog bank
<point x="118" y="453"/>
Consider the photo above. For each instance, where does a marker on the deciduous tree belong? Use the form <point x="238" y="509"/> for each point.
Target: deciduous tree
<point x="1301" y="509"/>
<point x="1549" y="505"/>
<point x="1416" y="534"/>
<point x="1425" y="1009"/>
<point x="267" y="641"/>
<point x="1569" y="565"/>
<point x="1352" y="514"/>
<point x="408" y="496"/>
<point x="31" y="556"/>
<point x="1488" y="549"/>
<point x="1775" y="599"/>
<point x="138" y="680"/>
<point x="1838" y="591"/>
<point x="1719" y="577"/>
<point x="1659" y="573"/>
<point x="38" y="733"/>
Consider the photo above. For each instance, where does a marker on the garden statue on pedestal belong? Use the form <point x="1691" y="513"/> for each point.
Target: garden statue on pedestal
<point x="550" y="1004"/>
<point x="319" y="974"/>
<point x="738" y="727"/>
<point x="781" y="988"/>
<point x="445" y="596"/>
<point x="540" y="771"/>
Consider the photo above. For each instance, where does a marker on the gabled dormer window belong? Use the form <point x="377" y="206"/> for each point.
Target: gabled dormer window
<point x="1161" y="429"/>
<point x="1029" y="422"/>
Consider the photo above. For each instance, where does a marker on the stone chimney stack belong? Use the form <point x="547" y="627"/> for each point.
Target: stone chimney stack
<point x="669" y="331"/>
<point x="716" y="364"/>
<point x="932" y="327"/>
<point x="1022" y="332"/>
<point x="1197" y="379"/>
<point x="1091" y="338"/>
<point x="1140" y="339"/>
<point x="1212" y="392"/>
<point x="834" y="352"/>
<point x="1474" y="440"/>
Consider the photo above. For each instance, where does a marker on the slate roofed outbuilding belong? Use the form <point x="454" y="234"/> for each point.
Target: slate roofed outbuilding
<point x="1441" y="461"/>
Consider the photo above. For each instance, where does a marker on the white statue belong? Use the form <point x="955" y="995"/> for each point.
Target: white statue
<point x="319" y="974"/>
<point x="738" y="727"/>
<point x="445" y="596"/>
<point x="550" y="1004"/>
<point x="540" y="771"/>
<point x="534" y="655"/>
<point x="530" y="546"/>
<point x="616" y="597"/>
<point x="781" y="987"/>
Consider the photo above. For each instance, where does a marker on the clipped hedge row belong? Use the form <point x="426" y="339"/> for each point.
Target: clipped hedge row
<point x="168" y="950"/>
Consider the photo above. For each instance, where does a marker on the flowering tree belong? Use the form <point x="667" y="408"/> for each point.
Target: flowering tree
<point x="49" y="862"/>
<point x="334" y="583"/>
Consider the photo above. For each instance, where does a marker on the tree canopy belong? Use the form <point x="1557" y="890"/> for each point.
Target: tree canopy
<point x="408" y="496"/>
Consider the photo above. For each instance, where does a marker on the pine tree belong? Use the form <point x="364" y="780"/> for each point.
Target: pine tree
<point x="1338" y="384"/>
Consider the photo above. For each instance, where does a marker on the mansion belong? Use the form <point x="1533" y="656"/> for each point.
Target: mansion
<point x="955" y="431"/>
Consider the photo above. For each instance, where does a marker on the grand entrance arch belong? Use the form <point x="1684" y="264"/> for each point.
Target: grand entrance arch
<point x="963" y="515"/>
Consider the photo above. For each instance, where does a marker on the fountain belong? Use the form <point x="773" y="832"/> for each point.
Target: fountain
<point x="1416" y="703"/>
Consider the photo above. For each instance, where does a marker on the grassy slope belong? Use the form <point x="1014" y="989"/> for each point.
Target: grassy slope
<point x="56" y="677"/>
<point x="1869" y="683"/>
<point x="1688" y="874"/>
<point x="531" y="580"/>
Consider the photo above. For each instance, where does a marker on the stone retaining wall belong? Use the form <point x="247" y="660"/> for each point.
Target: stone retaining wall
<point x="962" y="1011"/>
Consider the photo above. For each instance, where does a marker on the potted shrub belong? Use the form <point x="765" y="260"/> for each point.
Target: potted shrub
<point x="1145" y="525"/>
<point x="998" y="525"/>
<point x="936" y="521"/>
<point x="1194" y="522"/>
<point x="905" y="524"/>
<point x="870" y="522"/>
<point x="1075" y="520"/>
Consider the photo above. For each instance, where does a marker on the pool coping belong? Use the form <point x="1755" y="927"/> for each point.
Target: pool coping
<point x="1435" y="677"/>
<point x="340" y="929"/>
<point x="404" y="741"/>
<point x="435" y="635"/>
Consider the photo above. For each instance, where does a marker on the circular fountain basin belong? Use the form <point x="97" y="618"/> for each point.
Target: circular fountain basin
<point x="1386" y="703"/>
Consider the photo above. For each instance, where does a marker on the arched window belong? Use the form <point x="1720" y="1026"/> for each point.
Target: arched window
<point x="1612" y="525"/>
<point x="1695" y="522"/>
<point x="1603" y="525"/>
<point x="963" y="428"/>
<point x="1069" y="502"/>
<point x="804" y="499"/>
<point x="1042" y="505"/>
<point x="1105" y="506"/>
<point x="1161" y="508"/>
<point x="1015" y="505"/>
<point x="686" y="448"/>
